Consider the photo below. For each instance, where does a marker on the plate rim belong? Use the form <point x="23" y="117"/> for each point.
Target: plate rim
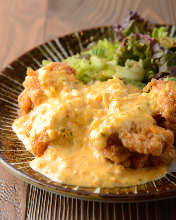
<point x="66" y="191"/>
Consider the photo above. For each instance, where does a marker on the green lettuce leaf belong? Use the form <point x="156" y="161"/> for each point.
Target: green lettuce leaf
<point x="139" y="85"/>
<point x="45" y="62"/>
<point x="159" y="32"/>
<point x="169" y="78"/>
<point x="103" y="49"/>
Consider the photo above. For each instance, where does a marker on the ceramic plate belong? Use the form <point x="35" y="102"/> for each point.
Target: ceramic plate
<point x="12" y="152"/>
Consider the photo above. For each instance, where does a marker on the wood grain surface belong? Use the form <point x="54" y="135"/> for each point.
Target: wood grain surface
<point x="25" y="24"/>
<point x="46" y="205"/>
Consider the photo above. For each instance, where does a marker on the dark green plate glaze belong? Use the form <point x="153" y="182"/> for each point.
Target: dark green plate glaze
<point x="12" y="152"/>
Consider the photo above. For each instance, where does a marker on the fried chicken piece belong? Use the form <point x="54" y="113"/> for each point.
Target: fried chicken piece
<point x="138" y="149"/>
<point x="163" y="96"/>
<point x="166" y="157"/>
<point x="150" y="140"/>
<point x="61" y="67"/>
<point x="139" y="160"/>
<point x="25" y="102"/>
<point x="40" y="144"/>
<point x="115" y="151"/>
<point x="32" y="95"/>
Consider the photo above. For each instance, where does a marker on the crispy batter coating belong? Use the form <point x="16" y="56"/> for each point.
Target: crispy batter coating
<point x="25" y="102"/>
<point x="163" y="95"/>
<point x="151" y="140"/>
<point x="32" y="94"/>
<point x="167" y="156"/>
<point x="137" y="148"/>
<point x="40" y="144"/>
<point x="139" y="160"/>
<point x="117" y="151"/>
<point x="61" y="67"/>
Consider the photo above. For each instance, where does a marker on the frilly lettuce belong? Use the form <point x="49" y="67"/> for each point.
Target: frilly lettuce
<point x="141" y="51"/>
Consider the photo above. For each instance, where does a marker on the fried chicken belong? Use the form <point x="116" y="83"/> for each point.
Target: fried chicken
<point x="32" y="94"/>
<point x="163" y="96"/>
<point x="134" y="145"/>
<point x="152" y="145"/>
<point x="40" y="144"/>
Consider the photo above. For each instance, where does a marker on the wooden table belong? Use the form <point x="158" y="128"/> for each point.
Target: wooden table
<point x="25" y="24"/>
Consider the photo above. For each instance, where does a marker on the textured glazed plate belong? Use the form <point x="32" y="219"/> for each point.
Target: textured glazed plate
<point x="12" y="152"/>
